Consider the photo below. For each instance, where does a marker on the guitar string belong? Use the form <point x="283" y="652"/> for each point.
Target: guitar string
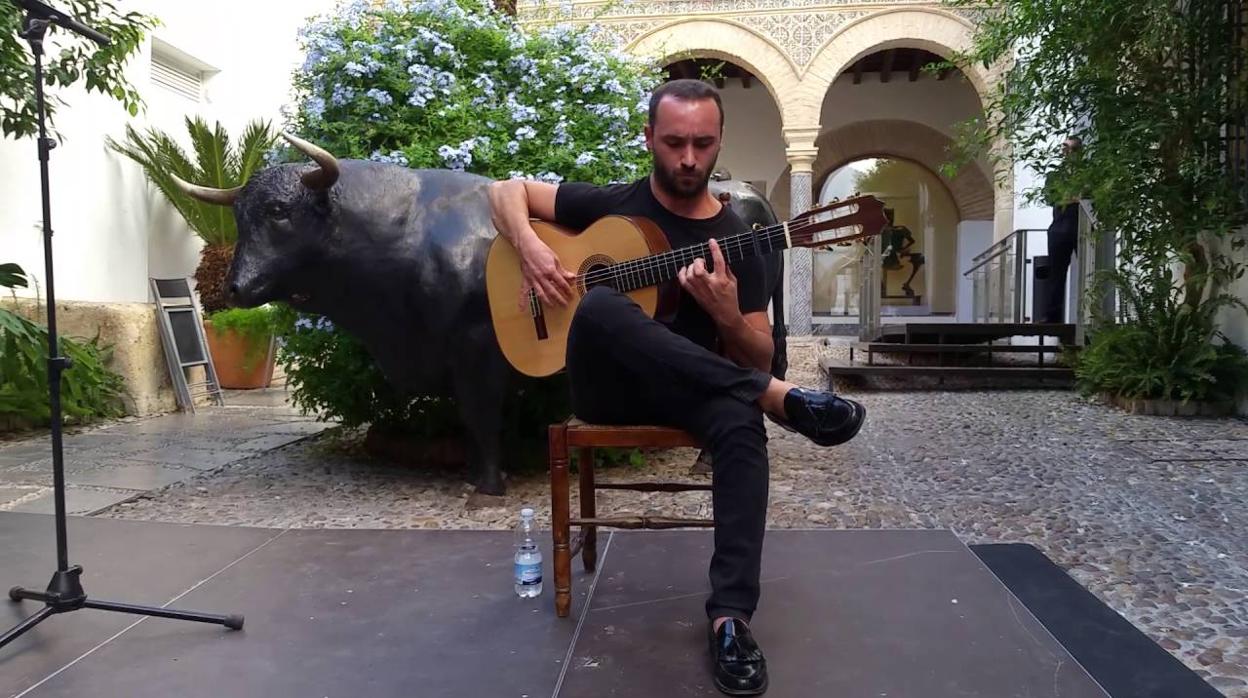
<point x="735" y="243"/>
<point x="634" y="269"/>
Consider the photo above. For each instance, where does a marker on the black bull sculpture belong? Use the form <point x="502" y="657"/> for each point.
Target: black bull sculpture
<point x="396" y="257"/>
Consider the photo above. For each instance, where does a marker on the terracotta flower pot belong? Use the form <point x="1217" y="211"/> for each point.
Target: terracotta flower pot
<point x="241" y="362"/>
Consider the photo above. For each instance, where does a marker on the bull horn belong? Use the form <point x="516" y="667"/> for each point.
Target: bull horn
<point x="209" y="195"/>
<point x="324" y="176"/>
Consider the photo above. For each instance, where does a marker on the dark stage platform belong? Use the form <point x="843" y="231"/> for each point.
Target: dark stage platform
<point x="431" y="613"/>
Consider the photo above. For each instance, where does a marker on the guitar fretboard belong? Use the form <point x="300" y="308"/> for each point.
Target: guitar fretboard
<point x="656" y="269"/>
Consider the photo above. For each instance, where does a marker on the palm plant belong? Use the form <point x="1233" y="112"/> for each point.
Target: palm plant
<point x="217" y="164"/>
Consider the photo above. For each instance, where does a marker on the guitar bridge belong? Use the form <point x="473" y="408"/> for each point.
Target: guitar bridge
<point x="539" y="316"/>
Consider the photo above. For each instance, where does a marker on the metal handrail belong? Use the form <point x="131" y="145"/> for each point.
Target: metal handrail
<point x="1001" y="268"/>
<point x="999" y="244"/>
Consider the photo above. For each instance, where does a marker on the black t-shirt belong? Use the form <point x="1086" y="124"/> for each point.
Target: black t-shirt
<point x="578" y="205"/>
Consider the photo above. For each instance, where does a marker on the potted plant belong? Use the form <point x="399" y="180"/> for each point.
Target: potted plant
<point x="240" y="339"/>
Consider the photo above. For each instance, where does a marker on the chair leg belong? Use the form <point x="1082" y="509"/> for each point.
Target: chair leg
<point x="589" y="549"/>
<point x="560" y="505"/>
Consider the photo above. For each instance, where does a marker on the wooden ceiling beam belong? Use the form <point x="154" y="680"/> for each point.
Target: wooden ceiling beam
<point x="886" y="70"/>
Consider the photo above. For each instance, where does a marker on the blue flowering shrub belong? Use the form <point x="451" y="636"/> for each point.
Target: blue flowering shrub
<point x="453" y="84"/>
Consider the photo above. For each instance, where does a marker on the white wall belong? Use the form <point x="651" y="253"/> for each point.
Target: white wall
<point x="1036" y="216"/>
<point x="973" y="237"/>
<point x="113" y="230"/>
<point x="936" y="103"/>
<point x="753" y="143"/>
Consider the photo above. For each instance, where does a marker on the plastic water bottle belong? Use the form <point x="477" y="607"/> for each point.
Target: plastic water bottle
<point x="528" y="567"/>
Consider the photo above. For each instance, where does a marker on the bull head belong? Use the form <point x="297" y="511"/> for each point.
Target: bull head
<point x="319" y="178"/>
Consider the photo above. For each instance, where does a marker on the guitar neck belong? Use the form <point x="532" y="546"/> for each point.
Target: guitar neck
<point x="662" y="267"/>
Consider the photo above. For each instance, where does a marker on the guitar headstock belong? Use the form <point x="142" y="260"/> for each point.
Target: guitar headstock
<point x="853" y="218"/>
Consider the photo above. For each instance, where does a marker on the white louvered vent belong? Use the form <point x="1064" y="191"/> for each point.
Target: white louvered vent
<point x="188" y="82"/>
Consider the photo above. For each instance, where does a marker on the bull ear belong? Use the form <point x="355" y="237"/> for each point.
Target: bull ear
<point x="209" y="195"/>
<point x="324" y="176"/>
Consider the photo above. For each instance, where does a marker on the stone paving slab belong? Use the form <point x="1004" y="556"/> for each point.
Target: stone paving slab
<point x="132" y="476"/>
<point x="40" y="471"/>
<point x="189" y="457"/>
<point x="25" y="451"/>
<point x="79" y="501"/>
<point x="12" y="493"/>
<point x="109" y="463"/>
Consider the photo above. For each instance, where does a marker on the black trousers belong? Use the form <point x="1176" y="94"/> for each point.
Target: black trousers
<point x="626" y="368"/>
<point x="1063" y="237"/>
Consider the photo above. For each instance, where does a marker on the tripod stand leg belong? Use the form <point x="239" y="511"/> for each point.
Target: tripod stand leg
<point x="233" y="622"/>
<point x="13" y="633"/>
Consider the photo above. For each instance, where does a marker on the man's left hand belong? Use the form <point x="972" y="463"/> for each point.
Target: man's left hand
<point x="715" y="291"/>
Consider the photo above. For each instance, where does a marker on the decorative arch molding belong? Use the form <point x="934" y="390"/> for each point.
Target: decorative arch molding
<point x="931" y="29"/>
<point x="728" y="41"/>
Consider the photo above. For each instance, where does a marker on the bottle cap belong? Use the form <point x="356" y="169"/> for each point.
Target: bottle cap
<point x="526" y="512"/>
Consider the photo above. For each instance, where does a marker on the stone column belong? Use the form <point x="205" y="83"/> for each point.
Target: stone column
<point x="801" y="152"/>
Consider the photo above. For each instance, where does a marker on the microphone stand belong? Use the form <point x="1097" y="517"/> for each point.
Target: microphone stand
<point x="65" y="593"/>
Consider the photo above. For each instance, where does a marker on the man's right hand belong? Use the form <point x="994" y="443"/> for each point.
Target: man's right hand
<point x="543" y="273"/>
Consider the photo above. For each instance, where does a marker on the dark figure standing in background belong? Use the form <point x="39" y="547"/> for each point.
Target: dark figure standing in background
<point x="900" y="239"/>
<point x="1063" y="239"/>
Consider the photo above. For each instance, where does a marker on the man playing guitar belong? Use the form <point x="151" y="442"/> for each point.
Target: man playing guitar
<point x="704" y="369"/>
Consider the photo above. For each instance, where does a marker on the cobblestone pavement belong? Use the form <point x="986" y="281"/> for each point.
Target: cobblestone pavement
<point x="1148" y="513"/>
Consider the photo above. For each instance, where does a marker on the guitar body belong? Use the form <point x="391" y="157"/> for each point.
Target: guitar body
<point x="536" y="343"/>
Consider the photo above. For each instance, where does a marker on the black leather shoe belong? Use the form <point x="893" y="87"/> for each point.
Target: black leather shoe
<point x="736" y="660"/>
<point x="822" y="417"/>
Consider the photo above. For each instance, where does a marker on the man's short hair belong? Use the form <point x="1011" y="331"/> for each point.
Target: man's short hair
<point x="686" y="89"/>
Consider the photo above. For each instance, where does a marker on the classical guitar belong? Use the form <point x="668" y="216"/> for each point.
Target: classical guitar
<point x="631" y="254"/>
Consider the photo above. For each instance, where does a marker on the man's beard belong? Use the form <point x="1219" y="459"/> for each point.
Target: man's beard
<point x="688" y="187"/>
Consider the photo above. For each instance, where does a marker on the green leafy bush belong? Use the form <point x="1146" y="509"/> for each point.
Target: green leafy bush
<point x="1170" y="349"/>
<point x="71" y="59"/>
<point x="88" y="389"/>
<point x="455" y="85"/>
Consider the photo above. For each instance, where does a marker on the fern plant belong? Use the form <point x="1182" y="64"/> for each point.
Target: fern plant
<point x="88" y="389"/>
<point x="217" y="163"/>
<point x="1170" y="347"/>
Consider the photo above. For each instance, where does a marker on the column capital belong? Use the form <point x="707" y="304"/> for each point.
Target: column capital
<point x="801" y="135"/>
<point x="800" y="149"/>
<point x="801" y="160"/>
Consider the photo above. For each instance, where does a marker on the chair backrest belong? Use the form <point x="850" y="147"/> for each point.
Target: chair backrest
<point x="182" y="336"/>
<point x="176" y="304"/>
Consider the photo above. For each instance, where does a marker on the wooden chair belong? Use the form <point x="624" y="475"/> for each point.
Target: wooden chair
<point x="584" y="438"/>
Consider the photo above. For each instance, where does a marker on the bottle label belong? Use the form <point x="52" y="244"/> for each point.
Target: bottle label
<point x="529" y="574"/>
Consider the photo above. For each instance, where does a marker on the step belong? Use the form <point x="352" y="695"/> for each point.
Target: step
<point x="934" y="332"/>
<point x="902" y="348"/>
<point x="841" y="367"/>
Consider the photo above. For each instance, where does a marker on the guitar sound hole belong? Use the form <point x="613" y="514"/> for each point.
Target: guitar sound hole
<point x="594" y="273"/>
